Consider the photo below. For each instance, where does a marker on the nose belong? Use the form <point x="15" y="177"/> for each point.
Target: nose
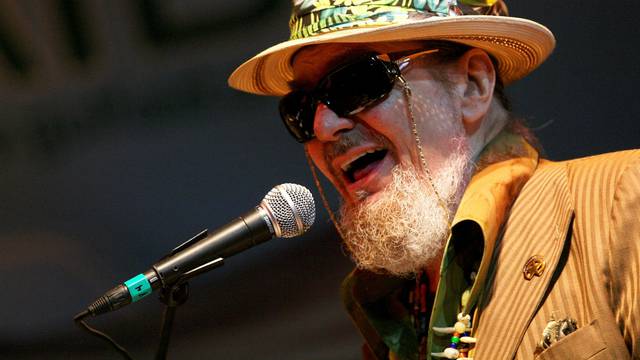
<point x="327" y="125"/>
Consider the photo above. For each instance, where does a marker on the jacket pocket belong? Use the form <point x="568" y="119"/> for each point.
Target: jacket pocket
<point x="584" y="343"/>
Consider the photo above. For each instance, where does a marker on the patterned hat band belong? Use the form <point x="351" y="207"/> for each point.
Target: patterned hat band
<point x="312" y="17"/>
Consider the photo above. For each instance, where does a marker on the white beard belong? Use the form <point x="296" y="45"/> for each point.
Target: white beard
<point x="404" y="228"/>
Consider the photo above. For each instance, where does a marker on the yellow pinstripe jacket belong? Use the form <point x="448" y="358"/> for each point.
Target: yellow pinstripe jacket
<point x="580" y="217"/>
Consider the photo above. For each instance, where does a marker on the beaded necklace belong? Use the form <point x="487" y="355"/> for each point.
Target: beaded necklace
<point x="420" y="304"/>
<point x="460" y="332"/>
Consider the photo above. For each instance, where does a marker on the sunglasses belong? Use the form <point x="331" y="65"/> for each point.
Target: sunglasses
<point x="346" y="90"/>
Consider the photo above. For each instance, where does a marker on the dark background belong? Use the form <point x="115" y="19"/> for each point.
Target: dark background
<point x="119" y="139"/>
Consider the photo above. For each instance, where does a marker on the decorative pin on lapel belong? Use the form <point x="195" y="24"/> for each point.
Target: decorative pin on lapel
<point x="533" y="267"/>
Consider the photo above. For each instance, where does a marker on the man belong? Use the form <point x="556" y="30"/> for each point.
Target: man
<point x="467" y="244"/>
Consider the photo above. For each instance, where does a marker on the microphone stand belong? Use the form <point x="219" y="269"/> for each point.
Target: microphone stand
<point x="173" y="296"/>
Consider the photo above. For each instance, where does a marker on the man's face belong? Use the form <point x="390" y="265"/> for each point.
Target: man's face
<point x="357" y="153"/>
<point x="391" y="219"/>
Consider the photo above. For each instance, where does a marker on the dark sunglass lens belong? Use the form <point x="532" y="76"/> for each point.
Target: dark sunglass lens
<point x="356" y="86"/>
<point x="297" y="112"/>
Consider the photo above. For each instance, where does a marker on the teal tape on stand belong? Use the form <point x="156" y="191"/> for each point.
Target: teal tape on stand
<point x="138" y="286"/>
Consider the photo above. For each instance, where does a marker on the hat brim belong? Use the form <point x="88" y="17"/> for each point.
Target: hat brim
<point x="518" y="45"/>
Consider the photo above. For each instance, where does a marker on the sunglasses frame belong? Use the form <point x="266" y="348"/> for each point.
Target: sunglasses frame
<point x="299" y="122"/>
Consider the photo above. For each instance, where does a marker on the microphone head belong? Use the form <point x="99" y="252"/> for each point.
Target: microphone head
<point x="291" y="209"/>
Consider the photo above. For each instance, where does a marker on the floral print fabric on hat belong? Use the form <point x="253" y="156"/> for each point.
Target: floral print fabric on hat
<point x="311" y="17"/>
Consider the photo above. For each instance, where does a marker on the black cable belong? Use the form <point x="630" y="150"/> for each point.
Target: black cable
<point x="79" y="320"/>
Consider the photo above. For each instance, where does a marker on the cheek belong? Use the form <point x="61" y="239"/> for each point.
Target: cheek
<point x="438" y="120"/>
<point x="438" y="116"/>
<point x="389" y="117"/>
<point x="393" y="106"/>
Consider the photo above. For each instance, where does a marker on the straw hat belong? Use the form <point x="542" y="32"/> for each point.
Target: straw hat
<point x="518" y="45"/>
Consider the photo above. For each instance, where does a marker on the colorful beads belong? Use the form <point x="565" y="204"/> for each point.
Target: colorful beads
<point x="468" y="340"/>
<point x="460" y="339"/>
<point x="451" y="353"/>
<point x="443" y="330"/>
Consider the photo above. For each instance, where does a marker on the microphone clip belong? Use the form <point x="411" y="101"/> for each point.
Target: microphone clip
<point x="175" y="295"/>
<point x="199" y="236"/>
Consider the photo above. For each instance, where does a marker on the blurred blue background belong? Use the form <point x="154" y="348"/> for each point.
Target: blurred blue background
<point x="119" y="139"/>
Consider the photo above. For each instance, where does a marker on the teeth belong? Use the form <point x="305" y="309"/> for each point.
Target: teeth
<point x="345" y="167"/>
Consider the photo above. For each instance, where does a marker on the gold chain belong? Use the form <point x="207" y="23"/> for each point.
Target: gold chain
<point x="416" y="137"/>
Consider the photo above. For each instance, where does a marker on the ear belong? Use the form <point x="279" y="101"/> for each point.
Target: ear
<point x="475" y="85"/>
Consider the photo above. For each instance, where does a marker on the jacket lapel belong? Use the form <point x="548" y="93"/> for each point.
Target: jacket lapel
<point x="535" y="233"/>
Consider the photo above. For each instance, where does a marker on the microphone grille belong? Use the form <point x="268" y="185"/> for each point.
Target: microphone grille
<point x="291" y="208"/>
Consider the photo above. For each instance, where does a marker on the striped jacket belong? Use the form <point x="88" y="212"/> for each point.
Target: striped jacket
<point x="581" y="220"/>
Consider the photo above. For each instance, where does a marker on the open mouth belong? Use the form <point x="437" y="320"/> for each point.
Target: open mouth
<point x="363" y="165"/>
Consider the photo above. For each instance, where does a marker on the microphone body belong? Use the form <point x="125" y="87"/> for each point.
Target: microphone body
<point x="244" y="232"/>
<point x="207" y="251"/>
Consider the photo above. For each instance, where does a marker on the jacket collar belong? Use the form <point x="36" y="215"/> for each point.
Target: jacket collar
<point x="489" y="196"/>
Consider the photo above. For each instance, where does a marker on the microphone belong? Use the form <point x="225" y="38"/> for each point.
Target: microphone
<point x="288" y="210"/>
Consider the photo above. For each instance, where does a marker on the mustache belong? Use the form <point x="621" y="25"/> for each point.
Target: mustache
<point x="350" y="139"/>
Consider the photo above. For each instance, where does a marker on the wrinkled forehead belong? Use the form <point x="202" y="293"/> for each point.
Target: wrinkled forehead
<point x="312" y="63"/>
